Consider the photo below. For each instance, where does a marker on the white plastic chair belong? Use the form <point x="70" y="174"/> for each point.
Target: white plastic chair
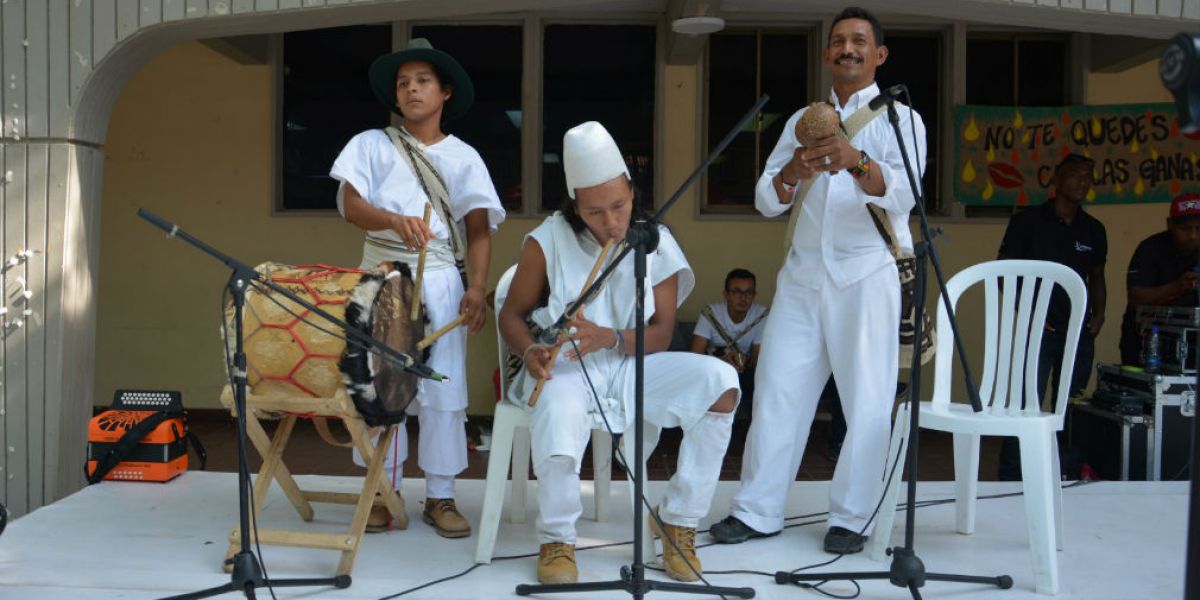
<point x="1016" y="297"/>
<point x="510" y="438"/>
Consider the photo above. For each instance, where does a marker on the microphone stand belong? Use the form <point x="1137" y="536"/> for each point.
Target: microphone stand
<point x="247" y="574"/>
<point x="1191" y="584"/>
<point x="641" y="239"/>
<point x="1178" y="71"/>
<point x="907" y="570"/>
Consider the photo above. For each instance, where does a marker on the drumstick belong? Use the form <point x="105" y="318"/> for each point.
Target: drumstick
<point x="416" y="304"/>
<point x="537" y="390"/>
<point x="447" y="328"/>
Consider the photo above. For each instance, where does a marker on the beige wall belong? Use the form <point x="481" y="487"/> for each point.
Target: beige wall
<point x="190" y="140"/>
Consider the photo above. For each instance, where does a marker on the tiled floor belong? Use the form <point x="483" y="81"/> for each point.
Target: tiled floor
<point x="308" y="454"/>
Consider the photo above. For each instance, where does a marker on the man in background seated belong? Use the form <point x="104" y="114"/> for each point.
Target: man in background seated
<point x="732" y="331"/>
<point x="1162" y="271"/>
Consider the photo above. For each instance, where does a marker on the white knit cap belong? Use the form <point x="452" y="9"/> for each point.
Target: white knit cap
<point x="590" y="157"/>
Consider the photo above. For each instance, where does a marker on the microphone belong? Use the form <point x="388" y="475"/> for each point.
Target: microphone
<point x="886" y="96"/>
<point x="1180" y="73"/>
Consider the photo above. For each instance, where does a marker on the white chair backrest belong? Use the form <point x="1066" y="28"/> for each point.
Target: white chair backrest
<point x="1016" y="298"/>
<point x="502" y="346"/>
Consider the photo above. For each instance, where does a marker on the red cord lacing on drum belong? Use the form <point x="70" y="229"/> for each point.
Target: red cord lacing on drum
<point x="320" y="270"/>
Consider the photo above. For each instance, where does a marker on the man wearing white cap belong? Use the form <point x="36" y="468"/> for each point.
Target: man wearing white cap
<point x="696" y="393"/>
<point x="388" y="178"/>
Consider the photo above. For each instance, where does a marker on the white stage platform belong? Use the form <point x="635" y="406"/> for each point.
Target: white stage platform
<point x="138" y="540"/>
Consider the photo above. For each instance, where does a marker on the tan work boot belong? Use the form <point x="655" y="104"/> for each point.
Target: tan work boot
<point x="677" y="557"/>
<point x="445" y="518"/>
<point x="556" y="564"/>
<point x="380" y="517"/>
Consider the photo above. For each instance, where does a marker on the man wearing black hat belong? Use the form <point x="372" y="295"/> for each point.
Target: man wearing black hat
<point x="1162" y="271"/>
<point x="388" y="178"/>
<point x="1061" y="231"/>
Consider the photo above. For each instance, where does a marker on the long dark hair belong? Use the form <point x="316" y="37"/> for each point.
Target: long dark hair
<point x="641" y="211"/>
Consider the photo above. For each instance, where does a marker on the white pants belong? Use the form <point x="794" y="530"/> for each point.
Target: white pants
<point x="851" y="332"/>
<point x="441" y="450"/>
<point x="680" y="387"/>
<point x="440" y="405"/>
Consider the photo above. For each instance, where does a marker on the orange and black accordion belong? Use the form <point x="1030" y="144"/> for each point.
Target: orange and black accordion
<point x="143" y="437"/>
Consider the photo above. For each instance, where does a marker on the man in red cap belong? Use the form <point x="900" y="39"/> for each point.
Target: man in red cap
<point x="1162" y="270"/>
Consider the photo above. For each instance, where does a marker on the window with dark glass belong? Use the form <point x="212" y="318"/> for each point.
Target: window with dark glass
<point x="1017" y="70"/>
<point x="915" y="59"/>
<point x="599" y="73"/>
<point x="326" y="101"/>
<point x="743" y="65"/>
<point x="1042" y="72"/>
<point x="491" y="55"/>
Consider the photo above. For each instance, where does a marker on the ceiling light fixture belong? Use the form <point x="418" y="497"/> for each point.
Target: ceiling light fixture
<point x="697" y="25"/>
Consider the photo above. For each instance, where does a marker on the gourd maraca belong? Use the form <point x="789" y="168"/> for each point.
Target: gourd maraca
<point x="820" y="120"/>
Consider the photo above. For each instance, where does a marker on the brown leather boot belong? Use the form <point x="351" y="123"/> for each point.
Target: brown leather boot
<point x="556" y="564"/>
<point x="445" y="518"/>
<point x="380" y="517"/>
<point x="677" y="557"/>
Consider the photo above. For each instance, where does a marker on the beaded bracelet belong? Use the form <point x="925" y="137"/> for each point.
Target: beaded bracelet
<point x="861" y="168"/>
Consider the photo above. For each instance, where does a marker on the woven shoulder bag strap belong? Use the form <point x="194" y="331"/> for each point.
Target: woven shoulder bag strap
<point x="884" y="225"/>
<point x="434" y="187"/>
<point x="753" y="324"/>
<point x="850" y="127"/>
<point x="707" y="313"/>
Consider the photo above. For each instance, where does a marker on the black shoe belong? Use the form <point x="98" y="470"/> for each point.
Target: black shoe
<point x="840" y="540"/>
<point x="732" y="530"/>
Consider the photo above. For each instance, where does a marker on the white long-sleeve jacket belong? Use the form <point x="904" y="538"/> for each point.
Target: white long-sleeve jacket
<point x="834" y="232"/>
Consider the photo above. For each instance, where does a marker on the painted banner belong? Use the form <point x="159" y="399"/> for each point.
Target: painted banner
<point x="1006" y="155"/>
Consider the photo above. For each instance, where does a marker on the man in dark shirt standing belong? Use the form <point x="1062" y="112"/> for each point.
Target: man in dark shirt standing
<point x="1162" y="271"/>
<point x="1062" y="232"/>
